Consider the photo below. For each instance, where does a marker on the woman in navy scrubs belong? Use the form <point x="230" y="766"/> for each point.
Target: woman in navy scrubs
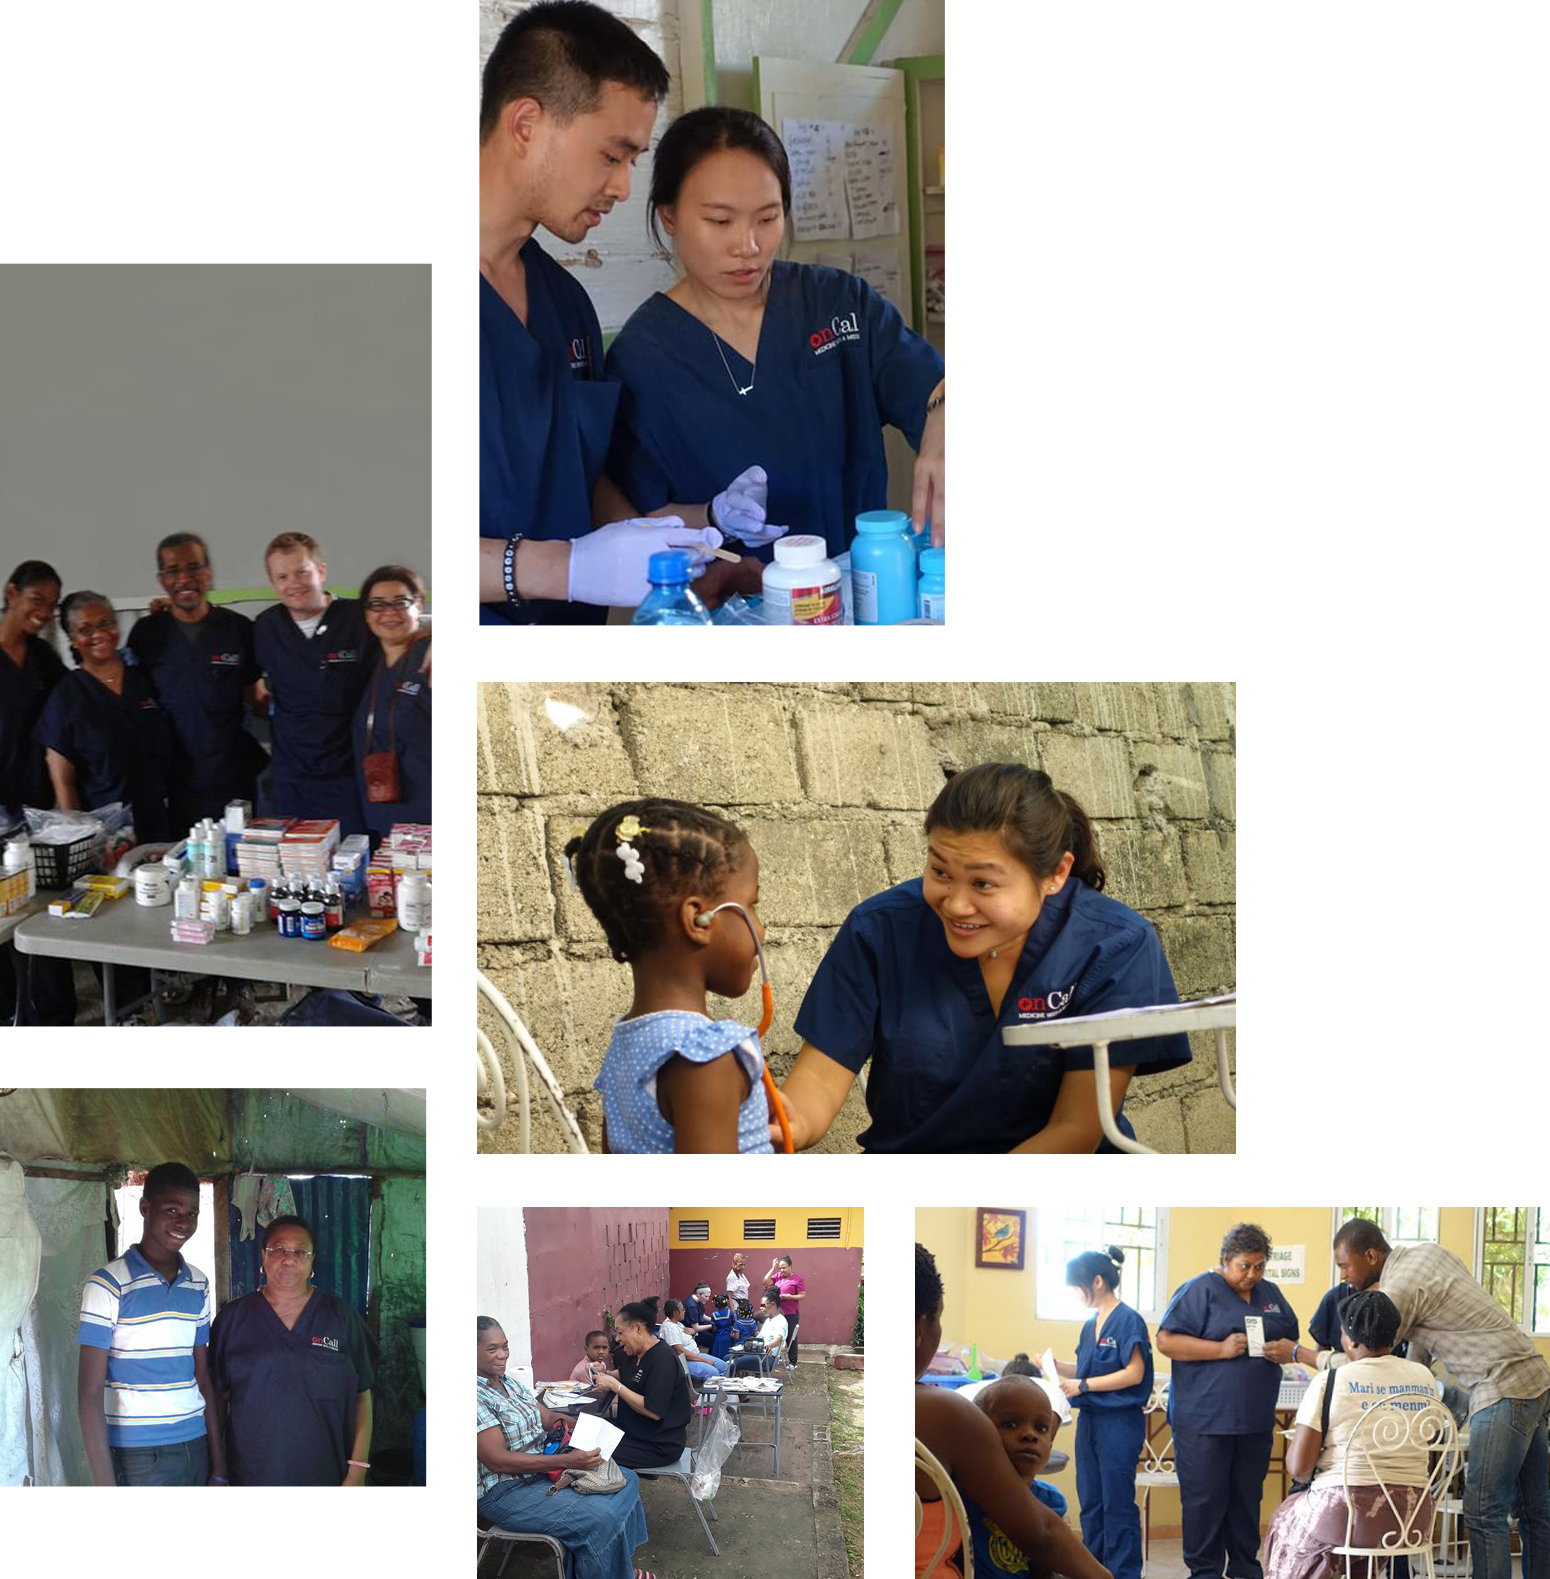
<point x="295" y="1368"/>
<point x="394" y="712"/>
<point x="104" y="734"/>
<point x="29" y="671"/>
<point x="1008" y="926"/>
<point x="1109" y="1385"/>
<point x="1222" y="1401"/>
<point x="752" y="362"/>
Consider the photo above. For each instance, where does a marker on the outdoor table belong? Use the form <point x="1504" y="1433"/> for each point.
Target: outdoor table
<point x="125" y="933"/>
<point x="753" y="1387"/>
<point x="8" y="926"/>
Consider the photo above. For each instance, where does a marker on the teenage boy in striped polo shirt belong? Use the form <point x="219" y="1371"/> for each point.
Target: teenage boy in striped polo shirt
<point x="146" y="1401"/>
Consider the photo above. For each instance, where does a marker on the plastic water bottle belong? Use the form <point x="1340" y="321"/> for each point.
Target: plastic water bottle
<point x="671" y="601"/>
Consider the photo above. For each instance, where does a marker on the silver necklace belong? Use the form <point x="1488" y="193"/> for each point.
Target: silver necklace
<point x="753" y="367"/>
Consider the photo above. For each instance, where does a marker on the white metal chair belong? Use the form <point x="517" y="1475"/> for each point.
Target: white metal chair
<point x="1098" y="1030"/>
<point x="511" y="1537"/>
<point x="926" y="1463"/>
<point x="492" y="1079"/>
<point x="684" y="1468"/>
<point x="1156" y="1471"/>
<point x="1398" y="1425"/>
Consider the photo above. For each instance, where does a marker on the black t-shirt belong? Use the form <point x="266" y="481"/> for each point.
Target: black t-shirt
<point x="664" y="1386"/>
<point x="293" y="1394"/>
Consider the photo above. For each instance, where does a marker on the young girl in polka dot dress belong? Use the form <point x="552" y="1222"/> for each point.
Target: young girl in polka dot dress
<point x="673" y="1079"/>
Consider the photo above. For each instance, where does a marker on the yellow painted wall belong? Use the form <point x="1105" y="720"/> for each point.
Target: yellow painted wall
<point x="726" y="1227"/>
<point x="995" y="1308"/>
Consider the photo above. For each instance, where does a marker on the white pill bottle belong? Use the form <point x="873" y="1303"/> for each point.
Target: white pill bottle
<point x="802" y="586"/>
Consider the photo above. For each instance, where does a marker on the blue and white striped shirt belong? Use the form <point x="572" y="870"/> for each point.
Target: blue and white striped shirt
<point x="150" y="1328"/>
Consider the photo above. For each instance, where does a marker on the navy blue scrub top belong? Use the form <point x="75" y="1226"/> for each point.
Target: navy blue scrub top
<point x="120" y="746"/>
<point x="546" y="414"/>
<point x="1324" y="1329"/>
<point x="200" y="684"/>
<point x="1104" y="1354"/>
<point x="24" y="779"/>
<point x="315" y="681"/>
<point x="1225" y="1397"/>
<point x="402" y="724"/>
<point x="294" y="1394"/>
<point x="891" y="989"/>
<point x="835" y="363"/>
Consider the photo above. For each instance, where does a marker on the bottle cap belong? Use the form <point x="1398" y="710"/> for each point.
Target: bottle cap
<point x="933" y="561"/>
<point x="882" y="521"/>
<point x="668" y="570"/>
<point x="800" y="551"/>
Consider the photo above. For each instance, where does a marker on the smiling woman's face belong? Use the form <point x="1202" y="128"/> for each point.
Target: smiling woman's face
<point x="983" y="895"/>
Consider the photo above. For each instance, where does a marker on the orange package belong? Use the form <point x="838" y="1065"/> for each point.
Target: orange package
<point x="360" y="935"/>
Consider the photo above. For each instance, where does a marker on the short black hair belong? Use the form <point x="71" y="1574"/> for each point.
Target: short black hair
<point x="673" y="1309"/>
<point x="181" y="540"/>
<point x="1020" y="1365"/>
<point x="167" y="1176"/>
<point x="1370" y="1318"/>
<point x="561" y="52"/>
<point x="1361" y="1235"/>
<point x="293" y="1222"/>
<point x="928" y="1283"/>
<point x="595" y="1333"/>
<point x="1245" y="1239"/>
<point x="697" y="135"/>
<point x="486" y="1322"/>
<point x="33" y="573"/>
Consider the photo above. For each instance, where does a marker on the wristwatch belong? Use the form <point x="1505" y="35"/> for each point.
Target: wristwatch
<point x="1082" y="1388"/>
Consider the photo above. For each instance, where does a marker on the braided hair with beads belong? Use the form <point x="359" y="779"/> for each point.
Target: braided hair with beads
<point x="676" y="849"/>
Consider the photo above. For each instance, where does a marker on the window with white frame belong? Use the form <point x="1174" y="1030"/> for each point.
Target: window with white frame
<point x="1512" y="1261"/>
<point x="1062" y="1235"/>
<point x="1401" y="1225"/>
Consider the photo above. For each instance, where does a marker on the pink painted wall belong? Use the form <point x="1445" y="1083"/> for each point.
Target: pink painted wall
<point x="580" y="1261"/>
<point x="833" y="1280"/>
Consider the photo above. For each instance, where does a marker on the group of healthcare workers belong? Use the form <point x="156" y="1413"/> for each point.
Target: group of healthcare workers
<point x="746" y="400"/>
<point x="160" y="724"/>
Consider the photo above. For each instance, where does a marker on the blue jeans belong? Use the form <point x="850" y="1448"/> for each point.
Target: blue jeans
<point x="171" y="1464"/>
<point x="599" y="1534"/>
<point x="1509" y="1461"/>
<point x="705" y="1366"/>
<point x="747" y="1362"/>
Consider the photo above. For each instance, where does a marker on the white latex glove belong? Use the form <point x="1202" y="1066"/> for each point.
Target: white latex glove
<point x="608" y="566"/>
<point x="739" y="511"/>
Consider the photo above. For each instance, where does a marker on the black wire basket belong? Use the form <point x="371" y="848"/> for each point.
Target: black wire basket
<point x="58" y="865"/>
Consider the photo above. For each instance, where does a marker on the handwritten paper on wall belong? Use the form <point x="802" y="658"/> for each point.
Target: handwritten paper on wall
<point x="816" y="150"/>
<point x="844" y="180"/>
<point x="881" y="271"/>
<point x="871" y="183"/>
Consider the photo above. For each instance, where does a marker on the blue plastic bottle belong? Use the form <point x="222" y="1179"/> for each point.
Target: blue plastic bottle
<point x="931" y="589"/>
<point x="882" y="568"/>
<point x="670" y="601"/>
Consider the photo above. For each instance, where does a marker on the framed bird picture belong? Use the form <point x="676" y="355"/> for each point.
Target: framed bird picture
<point x="998" y="1239"/>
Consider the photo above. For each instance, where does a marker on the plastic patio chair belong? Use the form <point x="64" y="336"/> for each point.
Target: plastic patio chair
<point x="1156" y="1471"/>
<point x="1387" y="1427"/>
<point x="511" y="1537"/>
<point x="682" y="1470"/>
<point x="926" y="1463"/>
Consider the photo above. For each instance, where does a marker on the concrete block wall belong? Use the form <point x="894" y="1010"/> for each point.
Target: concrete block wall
<point x="831" y="780"/>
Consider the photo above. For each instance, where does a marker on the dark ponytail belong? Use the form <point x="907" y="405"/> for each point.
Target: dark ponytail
<point x="643" y="1311"/>
<point x="1082" y="1269"/>
<point x="1036" y="822"/>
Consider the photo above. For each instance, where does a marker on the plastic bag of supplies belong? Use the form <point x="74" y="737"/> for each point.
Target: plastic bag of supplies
<point x="705" y="1479"/>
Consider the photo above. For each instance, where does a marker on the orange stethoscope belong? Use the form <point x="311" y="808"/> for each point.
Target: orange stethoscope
<point x="777" y="1106"/>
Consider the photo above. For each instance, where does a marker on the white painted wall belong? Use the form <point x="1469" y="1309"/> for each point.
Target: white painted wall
<point x="503" y="1278"/>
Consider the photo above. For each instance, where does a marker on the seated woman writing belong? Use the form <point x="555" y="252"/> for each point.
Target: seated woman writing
<point x="968" y="1446"/>
<point x="600" y="1534"/>
<point x="1310" y="1524"/>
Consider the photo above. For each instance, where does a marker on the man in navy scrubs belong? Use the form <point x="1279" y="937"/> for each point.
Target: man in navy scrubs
<point x="316" y="654"/>
<point x="570" y="99"/>
<point x="200" y="660"/>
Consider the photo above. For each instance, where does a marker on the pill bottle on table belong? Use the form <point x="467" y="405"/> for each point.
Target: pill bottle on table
<point x="414" y="902"/>
<point x="313" y="926"/>
<point x="931" y="589"/>
<point x="152" y="885"/>
<point x="882" y="568"/>
<point x="802" y="585"/>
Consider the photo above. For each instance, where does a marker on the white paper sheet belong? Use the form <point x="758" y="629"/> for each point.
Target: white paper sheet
<point x="881" y="271"/>
<point x="871" y="181"/>
<point x="1254" y="1326"/>
<point x="816" y="149"/>
<point x="593" y="1431"/>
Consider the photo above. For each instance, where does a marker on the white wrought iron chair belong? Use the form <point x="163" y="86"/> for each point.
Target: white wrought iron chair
<point x="520" y="1045"/>
<point x="1156" y="1471"/>
<point x="927" y="1464"/>
<point x="1398" y="1425"/>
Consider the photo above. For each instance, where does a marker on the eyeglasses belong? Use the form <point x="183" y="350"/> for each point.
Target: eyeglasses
<point x="382" y="605"/>
<point x="286" y="1253"/>
<point x="177" y="572"/>
<point x="108" y="627"/>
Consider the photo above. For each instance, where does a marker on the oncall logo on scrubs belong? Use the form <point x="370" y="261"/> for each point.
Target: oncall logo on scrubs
<point x="228" y="659"/>
<point x="1045" y="1008"/>
<point x="344" y="655"/>
<point x="580" y="356"/>
<point x="836" y="332"/>
<point x="326" y="1343"/>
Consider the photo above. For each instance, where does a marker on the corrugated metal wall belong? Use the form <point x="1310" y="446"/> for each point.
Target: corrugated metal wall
<point x="339" y="1209"/>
